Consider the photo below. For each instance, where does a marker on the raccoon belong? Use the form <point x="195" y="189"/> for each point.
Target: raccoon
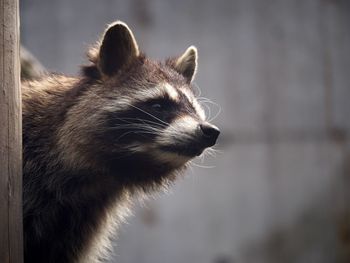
<point x="128" y="125"/>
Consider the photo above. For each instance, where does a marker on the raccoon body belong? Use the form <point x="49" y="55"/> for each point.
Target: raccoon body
<point x="127" y="125"/>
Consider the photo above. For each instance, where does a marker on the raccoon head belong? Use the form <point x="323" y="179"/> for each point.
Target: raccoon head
<point x="142" y="113"/>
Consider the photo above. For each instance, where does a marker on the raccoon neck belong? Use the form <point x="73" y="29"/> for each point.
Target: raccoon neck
<point x="66" y="206"/>
<point x="62" y="207"/>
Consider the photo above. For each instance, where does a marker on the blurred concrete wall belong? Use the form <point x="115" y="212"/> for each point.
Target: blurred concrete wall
<point x="280" y="70"/>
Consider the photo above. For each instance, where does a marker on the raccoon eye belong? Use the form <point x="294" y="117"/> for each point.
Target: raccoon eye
<point x="157" y="106"/>
<point x="160" y="105"/>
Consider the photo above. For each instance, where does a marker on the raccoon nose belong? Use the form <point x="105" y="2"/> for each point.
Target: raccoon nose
<point x="210" y="132"/>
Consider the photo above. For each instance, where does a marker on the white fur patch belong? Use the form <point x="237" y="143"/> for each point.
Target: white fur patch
<point x="171" y="91"/>
<point x="100" y="246"/>
<point x="184" y="123"/>
<point x="125" y="102"/>
<point x="156" y="92"/>
<point x="174" y="159"/>
<point x="198" y="108"/>
<point x="182" y="128"/>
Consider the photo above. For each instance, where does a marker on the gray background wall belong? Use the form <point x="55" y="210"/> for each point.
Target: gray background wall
<point x="280" y="71"/>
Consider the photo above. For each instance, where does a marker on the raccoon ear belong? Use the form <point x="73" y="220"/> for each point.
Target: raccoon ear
<point x="186" y="64"/>
<point x="118" y="48"/>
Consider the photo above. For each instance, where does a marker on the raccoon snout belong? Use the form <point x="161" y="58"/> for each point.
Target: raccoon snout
<point x="209" y="134"/>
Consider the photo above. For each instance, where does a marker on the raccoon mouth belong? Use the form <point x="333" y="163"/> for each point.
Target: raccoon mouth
<point x="185" y="150"/>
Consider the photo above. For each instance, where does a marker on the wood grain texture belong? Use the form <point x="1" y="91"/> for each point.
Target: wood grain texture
<point x="10" y="136"/>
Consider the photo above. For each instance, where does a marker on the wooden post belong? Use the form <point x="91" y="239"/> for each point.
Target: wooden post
<point x="11" y="227"/>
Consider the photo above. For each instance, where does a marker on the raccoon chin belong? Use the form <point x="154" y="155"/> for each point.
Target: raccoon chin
<point x="189" y="151"/>
<point x="169" y="158"/>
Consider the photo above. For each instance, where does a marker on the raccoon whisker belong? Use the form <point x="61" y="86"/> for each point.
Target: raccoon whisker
<point x="136" y="126"/>
<point x="213" y="149"/>
<point x="140" y="130"/>
<point x="123" y="135"/>
<point x="201" y="166"/>
<point x="201" y="157"/>
<point x="195" y="85"/>
<point x="202" y="98"/>
<point x="191" y="168"/>
<point x="204" y="101"/>
<point x="141" y="125"/>
<point x="210" y="152"/>
<point x="204" y="166"/>
<point x="216" y="115"/>
<point x="208" y="109"/>
<point x="153" y="122"/>
<point x="213" y="152"/>
<point x="148" y="131"/>
<point x="144" y="132"/>
<point x="166" y="123"/>
<point x="142" y="120"/>
<point x="137" y="129"/>
<point x="148" y="113"/>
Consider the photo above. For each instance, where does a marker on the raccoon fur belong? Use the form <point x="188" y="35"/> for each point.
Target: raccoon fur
<point x="127" y="125"/>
